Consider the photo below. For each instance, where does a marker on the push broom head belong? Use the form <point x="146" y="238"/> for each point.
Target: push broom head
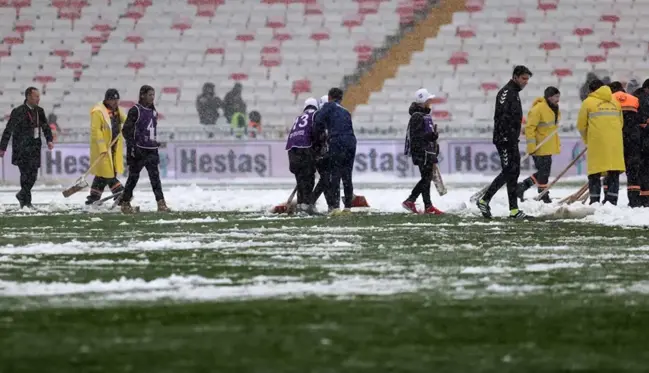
<point x="79" y="185"/>
<point x="360" y="201"/>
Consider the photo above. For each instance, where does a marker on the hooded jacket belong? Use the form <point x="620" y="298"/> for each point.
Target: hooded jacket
<point x="600" y="124"/>
<point x="541" y="122"/>
<point x="421" y="136"/>
<point x="207" y="105"/>
<point x="508" y="115"/>
<point x="102" y="133"/>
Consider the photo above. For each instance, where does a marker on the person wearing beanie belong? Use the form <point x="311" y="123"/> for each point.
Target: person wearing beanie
<point x="421" y="145"/>
<point x="600" y="125"/>
<point x="508" y="117"/>
<point x="140" y="131"/>
<point x="27" y="124"/>
<point x="542" y="121"/>
<point x="631" y="137"/>
<point x="106" y="146"/>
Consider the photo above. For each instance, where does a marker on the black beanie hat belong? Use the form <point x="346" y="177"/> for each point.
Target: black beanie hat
<point x="111" y="94"/>
<point x="550" y="91"/>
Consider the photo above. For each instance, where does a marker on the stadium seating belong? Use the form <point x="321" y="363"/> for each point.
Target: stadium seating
<point x="559" y="40"/>
<point x="281" y="51"/>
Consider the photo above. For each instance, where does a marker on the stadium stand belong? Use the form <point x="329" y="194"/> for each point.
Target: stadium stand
<point x="280" y="50"/>
<point x="470" y="58"/>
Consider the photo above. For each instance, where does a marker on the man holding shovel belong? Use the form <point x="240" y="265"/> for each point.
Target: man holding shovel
<point x="106" y="146"/>
<point x="542" y="122"/>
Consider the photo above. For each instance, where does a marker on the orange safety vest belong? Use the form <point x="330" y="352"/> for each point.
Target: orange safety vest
<point x="627" y="101"/>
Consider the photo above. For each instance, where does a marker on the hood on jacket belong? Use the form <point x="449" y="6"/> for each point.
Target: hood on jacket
<point x="538" y="100"/>
<point x="603" y="93"/>
<point x="416" y="108"/>
<point x="208" y="89"/>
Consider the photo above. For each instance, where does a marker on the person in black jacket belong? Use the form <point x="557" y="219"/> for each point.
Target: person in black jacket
<point x="508" y="117"/>
<point x="643" y="117"/>
<point x="26" y="124"/>
<point x="421" y="145"/>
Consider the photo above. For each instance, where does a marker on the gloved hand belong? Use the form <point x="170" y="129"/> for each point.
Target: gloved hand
<point x="433" y="158"/>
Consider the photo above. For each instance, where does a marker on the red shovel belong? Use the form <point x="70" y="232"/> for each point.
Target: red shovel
<point x="284" y="207"/>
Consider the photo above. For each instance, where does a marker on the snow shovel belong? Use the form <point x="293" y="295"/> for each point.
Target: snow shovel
<point x="437" y="180"/>
<point x="284" y="207"/>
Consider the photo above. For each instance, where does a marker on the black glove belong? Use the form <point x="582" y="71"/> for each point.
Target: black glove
<point x="433" y="158"/>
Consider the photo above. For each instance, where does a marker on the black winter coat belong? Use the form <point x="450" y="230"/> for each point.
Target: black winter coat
<point x="420" y="144"/>
<point x="25" y="127"/>
<point x="642" y="117"/>
<point x="508" y="115"/>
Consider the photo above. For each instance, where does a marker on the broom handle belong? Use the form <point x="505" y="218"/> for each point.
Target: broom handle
<point x="547" y="189"/>
<point x="101" y="156"/>
<point x="290" y="198"/>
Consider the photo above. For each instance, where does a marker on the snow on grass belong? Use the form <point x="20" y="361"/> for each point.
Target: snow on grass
<point x="188" y="221"/>
<point x="382" y="196"/>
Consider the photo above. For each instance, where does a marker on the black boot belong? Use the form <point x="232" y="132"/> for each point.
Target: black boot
<point x="522" y="187"/>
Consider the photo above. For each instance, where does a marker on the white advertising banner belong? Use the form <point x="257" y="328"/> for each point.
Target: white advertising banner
<point x="267" y="159"/>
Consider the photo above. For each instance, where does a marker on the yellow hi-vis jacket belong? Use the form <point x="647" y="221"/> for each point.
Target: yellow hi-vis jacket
<point x="600" y="124"/>
<point x="541" y="122"/>
<point x="100" y="138"/>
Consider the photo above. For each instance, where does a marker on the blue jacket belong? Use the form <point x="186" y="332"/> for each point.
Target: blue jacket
<point x="336" y="121"/>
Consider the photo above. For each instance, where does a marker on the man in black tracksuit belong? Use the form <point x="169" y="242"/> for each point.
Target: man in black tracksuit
<point x="508" y="117"/>
<point x="643" y="113"/>
<point x="421" y="145"/>
<point x="26" y="125"/>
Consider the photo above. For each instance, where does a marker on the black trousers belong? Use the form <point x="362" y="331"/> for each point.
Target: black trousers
<point x="633" y="163"/>
<point x="423" y="186"/>
<point x="323" y="167"/>
<point x="643" y="178"/>
<point x="98" y="185"/>
<point x="302" y="164"/>
<point x="510" y="161"/>
<point x="28" y="176"/>
<point x="611" y="187"/>
<point x="341" y="160"/>
<point x="143" y="158"/>
<point x="543" y="165"/>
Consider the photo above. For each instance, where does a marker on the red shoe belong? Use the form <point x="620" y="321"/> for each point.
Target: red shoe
<point x="410" y="206"/>
<point x="433" y="210"/>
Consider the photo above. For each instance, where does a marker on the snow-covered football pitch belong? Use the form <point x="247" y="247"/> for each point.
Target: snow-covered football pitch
<point x="222" y="285"/>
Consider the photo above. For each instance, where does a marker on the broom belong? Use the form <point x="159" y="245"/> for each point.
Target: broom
<point x="81" y="182"/>
<point x="572" y="163"/>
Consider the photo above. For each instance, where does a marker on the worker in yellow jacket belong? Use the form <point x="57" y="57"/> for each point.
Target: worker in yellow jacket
<point x="106" y="155"/>
<point x="542" y="121"/>
<point x="600" y="124"/>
